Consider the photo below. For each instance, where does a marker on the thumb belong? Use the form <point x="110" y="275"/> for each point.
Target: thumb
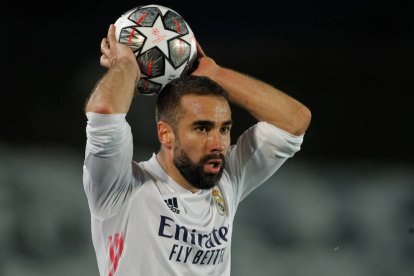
<point x="200" y="51"/>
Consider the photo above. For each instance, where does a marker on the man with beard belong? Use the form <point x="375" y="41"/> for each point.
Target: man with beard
<point x="173" y="214"/>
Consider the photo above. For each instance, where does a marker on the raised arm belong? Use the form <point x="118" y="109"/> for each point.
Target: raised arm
<point x="263" y="101"/>
<point x="114" y="92"/>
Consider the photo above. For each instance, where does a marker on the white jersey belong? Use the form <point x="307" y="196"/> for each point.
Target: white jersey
<point x="144" y="223"/>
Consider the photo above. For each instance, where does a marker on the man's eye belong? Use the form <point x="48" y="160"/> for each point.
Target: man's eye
<point x="202" y="129"/>
<point x="225" y="130"/>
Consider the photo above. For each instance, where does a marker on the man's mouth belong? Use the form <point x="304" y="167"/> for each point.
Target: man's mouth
<point x="213" y="166"/>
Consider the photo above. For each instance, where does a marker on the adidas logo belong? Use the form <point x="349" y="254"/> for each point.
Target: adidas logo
<point x="172" y="204"/>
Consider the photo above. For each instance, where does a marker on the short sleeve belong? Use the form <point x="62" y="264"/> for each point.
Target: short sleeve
<point x="257" y="155"/>
<point x="107" y="170"/>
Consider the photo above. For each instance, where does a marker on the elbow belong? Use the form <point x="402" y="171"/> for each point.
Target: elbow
<point x="100" y="108"/>
<point x="296" y="123"/>
<point x="303" y="120"/>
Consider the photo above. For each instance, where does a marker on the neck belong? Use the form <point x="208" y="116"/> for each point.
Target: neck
<point x="165" y="159"/>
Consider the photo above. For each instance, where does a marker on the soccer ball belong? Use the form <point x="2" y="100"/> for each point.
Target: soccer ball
<point x="162" y="41"/>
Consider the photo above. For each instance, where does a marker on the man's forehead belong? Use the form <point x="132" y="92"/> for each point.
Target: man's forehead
<point x="206" y="107"/>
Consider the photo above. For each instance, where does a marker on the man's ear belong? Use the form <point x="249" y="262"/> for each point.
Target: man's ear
<point x="165" y="134"/>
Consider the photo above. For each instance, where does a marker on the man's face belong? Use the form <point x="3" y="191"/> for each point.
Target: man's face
<point x="202" y="139"/>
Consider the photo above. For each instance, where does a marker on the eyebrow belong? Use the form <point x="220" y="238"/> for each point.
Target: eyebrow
<point x="210" y="123"/>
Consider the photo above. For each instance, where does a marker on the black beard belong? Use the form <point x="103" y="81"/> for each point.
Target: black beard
<point x="194" y="173"/>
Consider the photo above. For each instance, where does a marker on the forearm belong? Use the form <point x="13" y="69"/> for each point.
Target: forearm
<point x="115" y="91"/>
<point x="263" y="101"/>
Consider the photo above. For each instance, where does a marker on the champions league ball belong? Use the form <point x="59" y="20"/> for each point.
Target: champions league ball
<point x="162" y="41"/>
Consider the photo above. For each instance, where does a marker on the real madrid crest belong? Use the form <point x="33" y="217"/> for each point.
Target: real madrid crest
<point x="219" y="200"/>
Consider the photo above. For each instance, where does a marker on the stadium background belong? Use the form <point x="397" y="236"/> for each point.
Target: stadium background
<point x="344" y="205"/>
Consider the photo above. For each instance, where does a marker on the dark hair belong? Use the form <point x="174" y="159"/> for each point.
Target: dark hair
<point x="168" y="102"/>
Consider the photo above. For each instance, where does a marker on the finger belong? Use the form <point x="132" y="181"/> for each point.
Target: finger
<point x="104" y="61"/>
<point x="111" y="36"/>
<point x="104" y="47"/>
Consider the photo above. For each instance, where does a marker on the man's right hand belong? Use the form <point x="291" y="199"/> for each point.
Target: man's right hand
<point x="113" y="51"/>
<point x="114" y="92"/>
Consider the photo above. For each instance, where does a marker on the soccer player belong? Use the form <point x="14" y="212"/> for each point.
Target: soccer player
<point x="173" y="214"/>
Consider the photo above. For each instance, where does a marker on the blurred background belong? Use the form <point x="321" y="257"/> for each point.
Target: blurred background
<point x="344" y="205"/>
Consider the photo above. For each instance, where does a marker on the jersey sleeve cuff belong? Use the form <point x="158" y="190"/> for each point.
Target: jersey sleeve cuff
<point x="289" y="136"/>
<point x="286" y="143"/>
<point x="98" y="120"/>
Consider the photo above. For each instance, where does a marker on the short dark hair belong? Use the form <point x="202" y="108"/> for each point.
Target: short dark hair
<point x="168" y="102"/>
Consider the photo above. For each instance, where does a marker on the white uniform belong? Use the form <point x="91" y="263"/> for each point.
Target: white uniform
<point x="144" y="223"/>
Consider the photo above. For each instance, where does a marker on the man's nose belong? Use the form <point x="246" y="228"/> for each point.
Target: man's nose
<point x="216" y="142"/>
